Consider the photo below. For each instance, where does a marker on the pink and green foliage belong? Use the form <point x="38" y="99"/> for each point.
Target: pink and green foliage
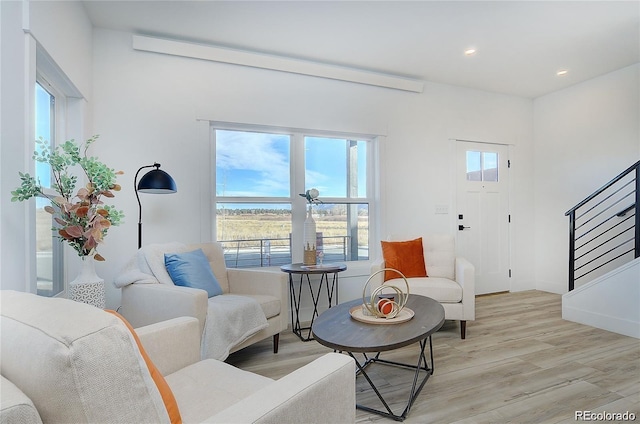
<point x="83" y="219"/>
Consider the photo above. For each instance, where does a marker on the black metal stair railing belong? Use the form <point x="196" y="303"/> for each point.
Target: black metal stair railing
<point x="604" y="229"/>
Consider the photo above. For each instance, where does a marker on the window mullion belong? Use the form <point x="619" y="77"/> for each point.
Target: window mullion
<point x="298" y="203"/>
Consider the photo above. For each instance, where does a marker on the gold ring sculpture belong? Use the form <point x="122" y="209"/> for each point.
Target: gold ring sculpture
<point x="397" y="303"/>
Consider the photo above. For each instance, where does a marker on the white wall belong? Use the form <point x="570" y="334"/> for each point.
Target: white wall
<point x="584" y="136"/>
<point x="609" y="302"/>
<point x="14" y="111"/>
<point x="65" y="32"/>
<point x="146" y="106"/>
<point x="66" y="35"/>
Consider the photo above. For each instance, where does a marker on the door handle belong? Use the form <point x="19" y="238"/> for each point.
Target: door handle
<point x="462" y="227"/>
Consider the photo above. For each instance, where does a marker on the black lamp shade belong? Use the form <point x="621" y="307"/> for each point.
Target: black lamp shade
<point x="157" y="182"/>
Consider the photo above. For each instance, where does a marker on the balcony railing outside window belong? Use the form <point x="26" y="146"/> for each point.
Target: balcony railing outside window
<point x="252" y="253"/>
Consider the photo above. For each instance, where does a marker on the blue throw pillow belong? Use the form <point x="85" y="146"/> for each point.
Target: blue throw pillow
<point x="192" y="269"/>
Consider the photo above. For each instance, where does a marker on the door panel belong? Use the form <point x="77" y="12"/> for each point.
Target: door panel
<point x="483" y="211"/>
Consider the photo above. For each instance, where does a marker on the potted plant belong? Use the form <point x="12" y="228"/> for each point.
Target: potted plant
<point x="82" y="218"/>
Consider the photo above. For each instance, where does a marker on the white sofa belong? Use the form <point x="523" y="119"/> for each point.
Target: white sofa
<point x="68" y="362"/>
<point x="156" y="298"/>
<point x="450" y="281"/>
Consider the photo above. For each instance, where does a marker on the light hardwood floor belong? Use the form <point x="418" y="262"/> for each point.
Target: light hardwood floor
<point x="521" y="363"/>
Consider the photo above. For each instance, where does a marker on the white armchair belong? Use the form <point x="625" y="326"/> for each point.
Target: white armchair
<point x="144" y="303"/>
<point x="450" y="281"/>
<point x="66" y="362"/>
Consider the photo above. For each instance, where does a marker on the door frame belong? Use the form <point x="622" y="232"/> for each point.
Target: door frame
<point x="454" y="196"/>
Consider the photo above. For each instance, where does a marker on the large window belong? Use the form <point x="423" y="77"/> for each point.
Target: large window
<point x="48" y="249"/>
<point x="259" y="174"/>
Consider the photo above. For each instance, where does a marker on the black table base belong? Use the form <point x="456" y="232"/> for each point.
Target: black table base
<point x="331" y="288"/>
<point x="416" y="387"/>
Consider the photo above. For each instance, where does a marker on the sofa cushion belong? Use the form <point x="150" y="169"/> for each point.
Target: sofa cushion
<point x="200" y="396"/>
<point x="270" y="305"/>
<point x="404" y="256"/>
<point x="15" y="406"/>
<point x="91" y="361"/>
<point x="443" y="290"/>
<point x="192" y="269"/>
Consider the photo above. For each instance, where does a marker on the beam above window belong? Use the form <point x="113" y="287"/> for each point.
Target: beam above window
<point x="277" y="63"/>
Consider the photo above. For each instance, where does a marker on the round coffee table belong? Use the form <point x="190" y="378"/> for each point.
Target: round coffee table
<point x="336" y="329"/>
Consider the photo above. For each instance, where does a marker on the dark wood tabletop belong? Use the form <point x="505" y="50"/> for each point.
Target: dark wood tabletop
<point x="300" y="268"/>
<point x="336" y="329"/>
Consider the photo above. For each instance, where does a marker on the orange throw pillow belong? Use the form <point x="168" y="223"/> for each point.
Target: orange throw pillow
<point x="165" y="391"/>
<point x="405" y="256"/>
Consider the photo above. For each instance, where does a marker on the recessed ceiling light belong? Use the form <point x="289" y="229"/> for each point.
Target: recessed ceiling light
<point x="562" y="72"/>
<point x="470" y="52"/>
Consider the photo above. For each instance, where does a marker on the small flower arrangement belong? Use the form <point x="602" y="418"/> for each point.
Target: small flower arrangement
<point x="83" y="218"/>
<point x="312" y="196"/>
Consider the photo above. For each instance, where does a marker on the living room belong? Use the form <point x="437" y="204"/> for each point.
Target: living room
<point x="565" y="138"/>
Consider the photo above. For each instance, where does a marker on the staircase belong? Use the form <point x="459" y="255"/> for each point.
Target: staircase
<point x="604" y="257"/>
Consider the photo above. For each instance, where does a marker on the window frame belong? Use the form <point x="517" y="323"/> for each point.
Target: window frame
<point x="297" y="179"/>
<point x="69" y="123"/>
<point x="57" y="113"/>
<point x="482" y="171"/>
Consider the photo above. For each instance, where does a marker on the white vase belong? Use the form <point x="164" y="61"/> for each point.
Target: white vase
<point x="88" y="287"/>
<point x="309" y="257"/>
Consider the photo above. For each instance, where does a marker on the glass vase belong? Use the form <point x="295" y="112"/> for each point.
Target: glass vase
<point x="309" y="257"/>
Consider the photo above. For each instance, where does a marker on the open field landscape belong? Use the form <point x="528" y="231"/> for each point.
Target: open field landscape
<point x="277" y="227"/>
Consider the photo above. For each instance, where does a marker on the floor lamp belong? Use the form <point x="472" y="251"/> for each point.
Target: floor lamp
<point x="155" y="182"/>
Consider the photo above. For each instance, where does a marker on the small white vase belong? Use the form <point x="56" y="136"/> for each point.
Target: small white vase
<point x="309" y="257"/>
<point x="88" y="287"/>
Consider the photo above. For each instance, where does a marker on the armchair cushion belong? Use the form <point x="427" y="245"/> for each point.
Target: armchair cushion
<point x="441" y="289"/>
<point x="215" y="254"/>
<point x="192" y="269"/>
<point x="440" y="256"/>
<point x="271" y="306"/>
<point x="404" y="256"/>
<point x="209" y="386"/>
<point x="164" y="389"/>
<point x="15" y="406"/>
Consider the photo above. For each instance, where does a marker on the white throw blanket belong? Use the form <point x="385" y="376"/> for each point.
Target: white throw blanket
<point x="231" y="318"/>
<point x="147" y="266"/>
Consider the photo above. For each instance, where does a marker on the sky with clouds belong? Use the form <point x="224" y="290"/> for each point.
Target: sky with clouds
<point x="251" y="164"/>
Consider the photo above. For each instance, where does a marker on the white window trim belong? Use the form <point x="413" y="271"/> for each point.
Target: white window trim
<point x="69" y="124"/>
<point x="298" y="203"/>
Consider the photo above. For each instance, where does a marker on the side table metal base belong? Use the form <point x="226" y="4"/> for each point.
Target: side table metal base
<point x="416" y="386"/>
<point x="331" y="288"/>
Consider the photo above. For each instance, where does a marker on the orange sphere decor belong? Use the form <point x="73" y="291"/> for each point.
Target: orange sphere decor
<point x="385" y="306"/>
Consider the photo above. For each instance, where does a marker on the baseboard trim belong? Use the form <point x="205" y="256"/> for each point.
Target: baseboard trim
<point x="604" y="322"/>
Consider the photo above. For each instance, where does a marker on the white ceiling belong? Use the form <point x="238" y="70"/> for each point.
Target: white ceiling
<point x="520" y="44"/>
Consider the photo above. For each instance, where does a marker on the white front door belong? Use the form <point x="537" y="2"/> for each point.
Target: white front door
<point x="482" y="220"/>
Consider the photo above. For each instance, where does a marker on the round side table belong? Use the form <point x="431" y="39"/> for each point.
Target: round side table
<point x="304" y="272"/>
